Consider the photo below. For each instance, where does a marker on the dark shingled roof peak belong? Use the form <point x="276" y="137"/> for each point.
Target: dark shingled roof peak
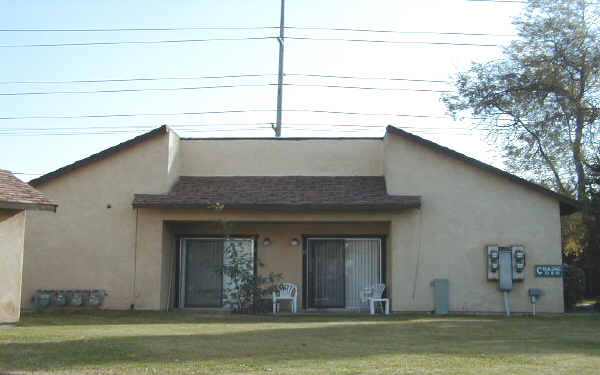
<point x="17" y="195"/>
<point x="283" y="193"/>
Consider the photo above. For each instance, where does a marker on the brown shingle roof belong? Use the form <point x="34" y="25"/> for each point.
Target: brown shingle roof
<point x="17" y="195"/>
<point x="287" y="193"/>
<point x="567" y="204"/>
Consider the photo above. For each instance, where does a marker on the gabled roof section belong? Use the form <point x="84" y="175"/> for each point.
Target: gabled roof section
<point x="99" y="156"/>
<point x="281" y="193"/>
<point x="17" y="195"/>
<point x="567" y="204"/>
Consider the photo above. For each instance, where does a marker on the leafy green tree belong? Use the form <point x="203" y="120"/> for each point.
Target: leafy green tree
<point x="540" y="102"/>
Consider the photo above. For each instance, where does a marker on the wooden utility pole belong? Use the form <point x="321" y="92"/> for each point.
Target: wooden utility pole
<point x="277" y="126"/>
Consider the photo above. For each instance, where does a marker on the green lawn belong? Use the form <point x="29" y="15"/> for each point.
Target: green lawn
<point x="152" y="342"/>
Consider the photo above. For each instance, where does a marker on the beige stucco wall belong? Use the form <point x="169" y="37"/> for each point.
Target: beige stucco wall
<point x="86" y="244"/>
<point x="322" y="157"/>
<point x="463" y="210"/>
<point x="12" y="232"/>
<point x="129" y="251"/>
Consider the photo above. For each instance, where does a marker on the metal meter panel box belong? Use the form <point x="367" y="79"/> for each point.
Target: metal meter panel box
<point x="506" y="269"/>
<point x="518" y="261"/>
<point x="441" y="296"/>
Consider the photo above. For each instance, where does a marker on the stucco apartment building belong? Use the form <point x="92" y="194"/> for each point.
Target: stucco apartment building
<point x="333" y="215"/>
<point x="16" y="197"/>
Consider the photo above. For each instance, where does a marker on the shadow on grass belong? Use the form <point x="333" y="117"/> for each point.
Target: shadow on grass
<point x="305" y="342"/>
<point x="108" y="317"/>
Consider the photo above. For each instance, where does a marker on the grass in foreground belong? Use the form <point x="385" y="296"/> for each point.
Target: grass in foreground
<point x="180" y="342"/>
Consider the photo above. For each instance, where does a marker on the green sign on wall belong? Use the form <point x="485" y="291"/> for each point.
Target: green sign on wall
<point x="548" y="271"/>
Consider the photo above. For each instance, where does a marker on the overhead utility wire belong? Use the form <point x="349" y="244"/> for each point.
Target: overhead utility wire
<point x="396" y="31"/>
<point x="149" y="126"/>
<point x="497" y="1"/>
<point x="221" y="112"/>
<point x="219" y="87"/>
<point x="365" y="78"/>
<point x="142" y="29"/>
<point x="231" y="126"/>
<point x="364" y="88"/>
<point x="143" y="79"/>
<point x="343" y="29"/>
<point x="263" y="129"/>
<point x="129" y="131"/>
<point x="135" y="90"/>
<point x="248" y="38"/>
<point x="134" y="114"/>
<point x="136" y="42"/>
<point x="220" y="127"/>
<point x="394" y="42"/>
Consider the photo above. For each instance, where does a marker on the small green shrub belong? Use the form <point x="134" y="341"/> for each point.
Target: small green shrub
<point x="246" y="291"/>
<point x="574" y="285"/>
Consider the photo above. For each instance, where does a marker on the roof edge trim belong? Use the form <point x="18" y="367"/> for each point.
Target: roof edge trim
<point x="27" y="206"/>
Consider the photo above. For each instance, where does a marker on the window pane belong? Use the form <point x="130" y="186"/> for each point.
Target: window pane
<point x="362" y="269"/>
<point x="204" y="281"/>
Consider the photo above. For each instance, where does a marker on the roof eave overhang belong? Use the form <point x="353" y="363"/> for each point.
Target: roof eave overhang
<point x="411" y="203"/>
<point x="6" y="205"/>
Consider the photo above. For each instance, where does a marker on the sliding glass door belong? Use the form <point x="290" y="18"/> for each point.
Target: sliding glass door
<point x="201" y="280"/>
<point x="326" y="273"/>
<point x="339" y="269"/>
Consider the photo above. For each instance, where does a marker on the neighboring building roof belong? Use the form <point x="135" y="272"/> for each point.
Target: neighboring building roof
<point x="287" y="193"/>
<point x="567" y="205"/>
<point x="99" y="156"/>
<point x="17" y="195"/>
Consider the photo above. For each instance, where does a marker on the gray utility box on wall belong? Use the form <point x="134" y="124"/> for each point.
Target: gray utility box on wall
<point x="441" y="296"/>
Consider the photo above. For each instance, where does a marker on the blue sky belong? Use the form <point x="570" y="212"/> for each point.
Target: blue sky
<point x="24" y="150"/>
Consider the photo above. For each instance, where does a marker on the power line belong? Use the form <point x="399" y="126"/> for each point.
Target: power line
<point x="127" y="131"/>
<point x="208" y="28"/>
<point x="365" y="88"/>
<point x="135" y="90"/>
<point x="365" y="78"/>
<point x="142" y="127"/>
<point x="213" y="113"/>
<point x="498" y="1"/>
<point x="141" y="79"/>
<point x="152" y="79"/>
<point x="397" y="31"/>
<point x="394" y="42"/>
<point x="211" y="127"/>
<point x="136" y="42"/>
<point x="134" y="114"/>
<point x="245" y="39"/>
<point x="220" y="87"/>
<point x="142" y="29"/>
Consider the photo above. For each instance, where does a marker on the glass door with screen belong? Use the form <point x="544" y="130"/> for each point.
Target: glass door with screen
<point x="338" y="270"/>
<point x="201" y="280"/>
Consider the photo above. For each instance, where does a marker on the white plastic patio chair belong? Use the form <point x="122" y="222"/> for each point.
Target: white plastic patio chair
<point x="285" y="291"/>
<point x="377" y="296"/>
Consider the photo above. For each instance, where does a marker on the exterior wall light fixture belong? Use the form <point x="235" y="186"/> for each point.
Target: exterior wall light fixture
<point x="267" y="241"/>
<point x="294" y="242"/>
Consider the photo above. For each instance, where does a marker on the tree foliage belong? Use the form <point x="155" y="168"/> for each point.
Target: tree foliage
<point x="245" y="290"/>
<point x="541" y="101"/>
